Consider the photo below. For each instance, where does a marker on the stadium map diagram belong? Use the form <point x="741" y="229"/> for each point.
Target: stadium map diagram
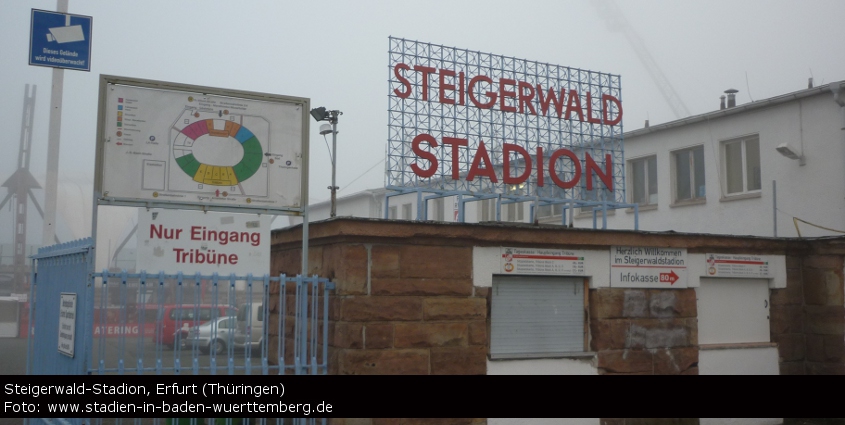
<point x="192" y="148"/>
<point x="219" y="152"/>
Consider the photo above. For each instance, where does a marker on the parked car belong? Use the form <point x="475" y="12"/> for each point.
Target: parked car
<point x="174" y="320"/>
<point x="250" y="325"/>
<point x="213" y="336"/>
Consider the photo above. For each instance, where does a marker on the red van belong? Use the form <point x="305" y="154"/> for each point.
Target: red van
<point x="175" y="317"/>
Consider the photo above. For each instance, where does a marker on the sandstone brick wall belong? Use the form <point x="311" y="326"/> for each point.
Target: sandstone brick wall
<point x="399" y="309"/>
<point x="808" y="316"/>
<point x="405" y="301"/>
<point x="644" y="331"/>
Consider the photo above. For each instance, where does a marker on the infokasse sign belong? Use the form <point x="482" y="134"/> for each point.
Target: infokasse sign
<point x="466" y="122"/>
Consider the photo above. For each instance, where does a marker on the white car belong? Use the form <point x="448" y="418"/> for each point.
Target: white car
<point x="210" y="338"/>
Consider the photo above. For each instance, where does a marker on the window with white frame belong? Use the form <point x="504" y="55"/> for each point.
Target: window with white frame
<point x="688" y="175"/>
<point x="391" y="213"/>
<point x="406" y="212"/>
<point x="536" y="316"/>
<point x="643" y="180"/>
<point x="741" y="165"/>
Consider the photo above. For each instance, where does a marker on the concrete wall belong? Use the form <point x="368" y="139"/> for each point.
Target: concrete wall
<point x="414" y="298"/>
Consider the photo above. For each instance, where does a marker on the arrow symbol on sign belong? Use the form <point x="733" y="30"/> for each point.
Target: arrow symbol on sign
<point x="670" y="277"/>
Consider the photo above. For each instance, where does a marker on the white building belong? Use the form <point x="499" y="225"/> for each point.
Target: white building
<point x="745" y="169"/>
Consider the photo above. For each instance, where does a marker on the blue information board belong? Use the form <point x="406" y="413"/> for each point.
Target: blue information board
<point x="60" y="40"/>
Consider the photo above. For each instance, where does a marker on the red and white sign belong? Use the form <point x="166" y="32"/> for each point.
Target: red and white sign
<point x="739" y="265"/>
<point x="191" y="241"/>
<point x="549" y="262"/>
<point x="648" y="267"/>
<point x="495" y="124"/>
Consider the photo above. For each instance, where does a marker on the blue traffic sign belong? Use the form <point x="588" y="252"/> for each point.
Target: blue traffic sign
<point x="60" y="40"/>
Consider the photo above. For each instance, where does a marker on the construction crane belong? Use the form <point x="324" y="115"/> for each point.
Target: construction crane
<point x="20" y="185"/>
<point x="616" y="22"/>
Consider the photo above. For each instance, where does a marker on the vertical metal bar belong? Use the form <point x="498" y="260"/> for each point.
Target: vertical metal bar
<point x="29" y="336"/>
<point x="54" y="135"/>
<point x="104" y="295"/>
<point x="121" y="351"/>
<point x="142" y="322"/>
<point x="419" y="205"/>
<point x="325" y="328"/>
<point x="180" y="312"/>
<point x="198" y="320"/>
<point x="159" y="334"/>
<point x="301" y="327"/>
<point x="212" y="352"/>
<point x="248" y="339"/>
<point x="604" y="215"/>
<point x="313" y="284"/>
<point x="265" y="330"/>
<point x="305" y="238"/>
<point x="282" y="322"/>
<point x="636" y="217"/>
<point x="775" y="206"/>
<point x="87" y="309"/>
<point x="499" y="207"/>
<point x="230" y="362"/>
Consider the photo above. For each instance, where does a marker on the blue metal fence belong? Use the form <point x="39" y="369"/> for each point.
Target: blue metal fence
<point x="158" y="323"/>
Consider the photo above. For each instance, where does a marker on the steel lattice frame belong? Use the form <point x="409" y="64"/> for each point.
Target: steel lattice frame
<point x="413" y="112"/>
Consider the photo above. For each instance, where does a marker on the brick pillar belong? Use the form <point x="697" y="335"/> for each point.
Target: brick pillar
<point x="824" y="305"/>
<point x="400" y="309"/>
<point x="786" y="320"/>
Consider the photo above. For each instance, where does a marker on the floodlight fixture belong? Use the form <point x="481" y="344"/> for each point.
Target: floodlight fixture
<point x="790" y="152"/>
<point x="320" y="113"/>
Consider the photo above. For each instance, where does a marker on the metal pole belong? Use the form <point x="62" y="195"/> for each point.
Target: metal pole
<point x="775" y="205"/>
<point x="334" y="163"/>
<point x="51" y="185"/>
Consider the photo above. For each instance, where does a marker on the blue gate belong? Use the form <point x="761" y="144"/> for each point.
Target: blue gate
<point x="62" y="269"/>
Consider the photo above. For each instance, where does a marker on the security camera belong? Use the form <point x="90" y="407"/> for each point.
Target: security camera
<point x="67" y="34"/>
<point x="325" y="129"/>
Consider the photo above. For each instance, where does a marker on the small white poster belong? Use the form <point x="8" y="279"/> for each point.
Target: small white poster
<point x="549" y="262"/>
<point x="739" y="265"/>
<point x="648" y="267"/>
<point x="67" y="323"/>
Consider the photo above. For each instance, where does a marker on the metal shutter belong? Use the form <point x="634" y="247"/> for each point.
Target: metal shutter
<point x="536" y="316"/>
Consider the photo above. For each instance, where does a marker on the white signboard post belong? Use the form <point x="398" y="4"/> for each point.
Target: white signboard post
<point x="549" y="262"/>
<point x="67" y="323"/>
<point x="648" y="267"/>
<point x="192" y="241"/>
<point x="739" y="265"/>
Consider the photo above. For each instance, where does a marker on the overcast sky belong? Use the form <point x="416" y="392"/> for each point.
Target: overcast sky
<point x="335" y="53"/>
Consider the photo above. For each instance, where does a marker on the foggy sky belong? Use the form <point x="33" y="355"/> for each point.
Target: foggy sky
<point x="335" y="53"/>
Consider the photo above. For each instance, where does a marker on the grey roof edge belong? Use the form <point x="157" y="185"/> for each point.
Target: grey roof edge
<point x="772" y="101"/>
